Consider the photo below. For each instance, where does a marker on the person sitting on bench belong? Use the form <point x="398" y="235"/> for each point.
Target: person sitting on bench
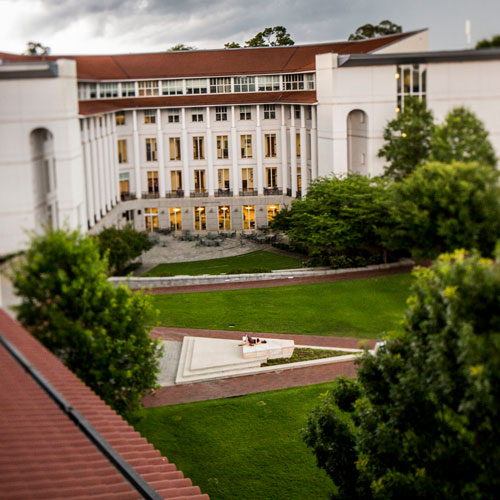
<point x="251" y="341"/>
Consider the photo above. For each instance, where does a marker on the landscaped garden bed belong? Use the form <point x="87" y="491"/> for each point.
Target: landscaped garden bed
<point x="306" y="354"/>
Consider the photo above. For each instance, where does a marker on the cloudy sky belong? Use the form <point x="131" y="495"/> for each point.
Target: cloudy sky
<point x="123" y="26"/>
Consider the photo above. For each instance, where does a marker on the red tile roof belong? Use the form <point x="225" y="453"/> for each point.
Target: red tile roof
<point x="108" y="105"/>
<point x="43" y="454"/>
<point x="203" y="63"/>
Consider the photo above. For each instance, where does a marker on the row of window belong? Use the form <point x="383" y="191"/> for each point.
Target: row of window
<point x="222" y="142"/>
<point x="221" y="114"/>
<point x="200" y="217"/>
<point x="191" y="86"/>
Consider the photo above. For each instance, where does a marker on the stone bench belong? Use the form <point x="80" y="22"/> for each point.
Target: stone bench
<point x="272" y="349"/>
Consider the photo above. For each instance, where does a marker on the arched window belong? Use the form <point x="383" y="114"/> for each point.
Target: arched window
<point x="357" y="142"/>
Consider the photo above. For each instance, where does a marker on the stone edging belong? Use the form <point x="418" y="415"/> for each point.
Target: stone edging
<point x="135" y="283"/>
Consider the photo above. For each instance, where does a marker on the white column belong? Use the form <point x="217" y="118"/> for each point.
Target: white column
<point x="314" y="144"/>
<point x="259" y="153"/>
<point x="95" y="170"/>
<point x="304" y="171"/>
<point x="105" y="161"/>
<point x="186" y="181"/>
<point x="293" y="151"/>
<point x="161" y="156"/>
<point x="284" y="151"/>
<point x="89" y="185"/>
<point x="116" y="175"/>
<point x="100" y="160"/>
<point x="137" y="157"/>
<point x="111" y="158"/>
<point x="235" y="180"/>
<point x="210" y="157"/>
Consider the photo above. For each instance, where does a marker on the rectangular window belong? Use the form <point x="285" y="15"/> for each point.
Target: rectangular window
<point x="174" y="115"/>
<point x="245" y="112"/>
<point x="223" y="178"/>
<point x="120" y="117"/>
<point x="148" y="88"/>
<point x="151" y="149"/>
<point x="270" y="140"/>
<point x="197" y="114"/>
<point x="176" y="180"/>
<point x="199" y="181"/>
<point x="128" y="89"/>
<point x="107" y="90"/>
<point x="411" y="81"/>
<point x="222" y="147"/>
<point x="297" y="145"/>
<point x="122" y="151"/>
<point x="248" y="216"/>
<point x="82" y="91"/>
<point x="220" y="85"/>
<point x="268" y="83"/>
<point x="224" y="218"/>
<point x="269" y="111"/>
<point x="272" y="177"/>
<point x="93" y="90"/>
<point x="175" y="148"/>
<point x="247" y="178"/>
<point x="171" y="87"/>
<point x="175" y="218"/>
<point x="152" y="182"/>
<point x="293" y="82"/>
<point x="150" y="116"/>
<point x="198" y="148"/>
<point x="124" y="184"/>
<point x="310" y="81"/>
<point x="244" y="84"/>
<point x="220" y="113"/>
<point x="246" y="146"/>
<point x="151" y="216"/>
<point x="196" y="86"/>
<point x="272" y="210"/>
<point x="297" y="111"/>
<point x="200" y="218"/>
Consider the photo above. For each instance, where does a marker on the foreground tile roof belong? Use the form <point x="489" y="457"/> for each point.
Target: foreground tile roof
<point x="45" y="455"/>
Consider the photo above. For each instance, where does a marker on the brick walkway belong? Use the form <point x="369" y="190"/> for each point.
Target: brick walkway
<point x="248" y="384"/>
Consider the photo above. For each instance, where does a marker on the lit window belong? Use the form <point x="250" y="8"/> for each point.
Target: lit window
<point x="221" y="113"/>
<point x="269" y="111"/>
<point x="176" y="180"/>
<point x="268" y="83"/>
<point x="297" y="145"/>
<point x="199" y="181"/>
<point x="245" y="112"/>
<point x="220" y="85"/>
<point x="224" y="218"/>
<point x="244" y="84"/>
<point x="124" y="184"/>
<point x="198" y="149"/>
<point x="248" y="216"/>
<point x="171" y="87"/>
<point x="151" y="149"/>
<point x="175" y="148"/>
<point x="272" y="210"/>
<point x="152" y="182"/>
<point x="200" y="218"/>
<point x="196" y="86"/>
<point x="270" y="141"/>
<point x="223" y="178"/>
<point x="272" y="177"/>
<point x="293" y="82"/>
<point x="128" y="89"/>
<point x="150" y="116"/>
<point x="222" y="147"/>
<point x="246" y="146"/>
<point x="148" y="88"/>
<point x="173" y="115"/>
<point x="108" y="90"/>
<point x="410" y="82"/>
<point x="120" y="118"/>
<point x="197" y="114"/>
<point x="122" y="151"/>
<point x="175" y="218"/>
<point x="247" y="179"/>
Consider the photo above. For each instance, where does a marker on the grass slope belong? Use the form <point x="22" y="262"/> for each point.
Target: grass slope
<point x="247" y="448"/>
<point x="246" y="263"/>
<point x="362" y="308"/>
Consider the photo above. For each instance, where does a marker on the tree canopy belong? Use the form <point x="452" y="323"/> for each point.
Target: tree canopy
<point x="99" y="332"/>
<point x="492" y="43"/>
<point x="408" y="139"/>
<point x="421" y="421"/>
<point x="462" y="137"/>
<point x="37" y="49"/>
<point x="383" y="28"/>
<point x="180" y="47"/>
<point x="269" y="37"/>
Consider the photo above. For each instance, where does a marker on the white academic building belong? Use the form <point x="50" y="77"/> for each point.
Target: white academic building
<point x="211" y="140"/>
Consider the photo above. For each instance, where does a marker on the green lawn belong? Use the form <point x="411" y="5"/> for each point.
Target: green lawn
<point x="364" y="308"/>
<point x="259" y="261"/>
<point x="247" y="448"/>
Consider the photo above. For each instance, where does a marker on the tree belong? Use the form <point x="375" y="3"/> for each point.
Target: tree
<point x="408" y="139"/>
<point x="385" y="27"/>
<point x="269" y="37"/>
<point x="337" y="222"/>
<point x="425" y="422"/>
<point x="37" y="49"/>
<point x="492" y="43"/>
<point x="232" y="45"/>
<point x="440" y="208"/>
<point x="99" y="332"/>
<point x="462" y="137"/>
<point x="121" y="246"/>
<point x="180" y="47"/>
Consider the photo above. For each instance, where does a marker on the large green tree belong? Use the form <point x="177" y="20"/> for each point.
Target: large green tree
<point x="337" y="223"/>
<point x="441" y="207"/>
<point x="408" y="139"/>
<point x="99" y="332"/>
<point x="37" y="49"/>
<point x="424" y="423"/>
<point x="462" y="137"/>
<point x="269" y="37"/>
<point x="383" y="28"/>
<point x="491" y="43"/>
